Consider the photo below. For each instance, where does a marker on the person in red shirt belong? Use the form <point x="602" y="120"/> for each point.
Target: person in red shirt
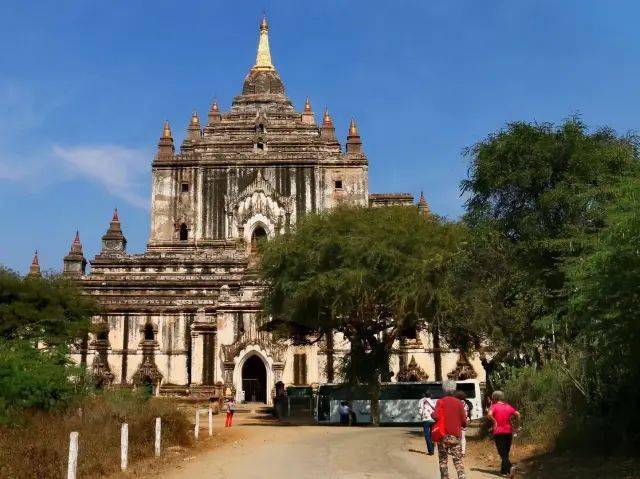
<point x="450" y="410"/>
<point x="502" y="414"/>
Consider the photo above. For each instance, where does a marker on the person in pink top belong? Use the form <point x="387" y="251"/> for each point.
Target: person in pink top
<point x="502" y="413"/>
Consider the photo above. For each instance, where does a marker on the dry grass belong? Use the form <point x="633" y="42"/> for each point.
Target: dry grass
<point x="38" y="447"/>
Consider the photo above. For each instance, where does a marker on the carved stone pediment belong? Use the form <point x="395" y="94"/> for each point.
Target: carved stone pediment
<point x="412" y="372"/>
<point x="463" y="370"/>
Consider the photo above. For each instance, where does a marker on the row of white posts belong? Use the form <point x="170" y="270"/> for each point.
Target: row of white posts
<point x="124" y="443"/>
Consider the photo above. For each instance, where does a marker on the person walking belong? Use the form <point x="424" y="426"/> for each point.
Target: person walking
<point x="230" y="407"/>
<point x="502" y="414"/>
<point x="345" y="411"/>
<point x="450" y="419"/>
<point x="467" y="410"/>
<point x="426" y="407"/>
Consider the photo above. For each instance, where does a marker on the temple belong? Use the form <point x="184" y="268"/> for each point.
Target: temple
<point x="183" y="315"/>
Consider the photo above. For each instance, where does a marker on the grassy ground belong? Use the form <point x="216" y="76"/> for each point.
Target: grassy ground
<point x="38" y="446"/>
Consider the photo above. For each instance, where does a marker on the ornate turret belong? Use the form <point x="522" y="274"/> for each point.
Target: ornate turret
<point x="113" y="240"/>
<point x="327" y="130"/>
<point x="263" y="79"/>
<point x="75" y="263"/>
<point x="165" y="145"/>
<point x="34" y="269"/>
<point x="214" y="113"/>
<point x="307" y="115"/>
<point x="423" y="207"/>
<point x="194" y="132"/>
<point x="354" y="144"/>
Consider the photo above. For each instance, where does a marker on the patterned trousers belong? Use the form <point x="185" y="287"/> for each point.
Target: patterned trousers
<point x="450" y="445"/>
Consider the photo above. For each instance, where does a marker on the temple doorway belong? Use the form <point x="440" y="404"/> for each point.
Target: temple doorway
<point x="258" y="235"/>
<point x="254" y="380"/>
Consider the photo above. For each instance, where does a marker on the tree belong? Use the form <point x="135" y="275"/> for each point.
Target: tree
<point x="50" y="309"/>
<point x="368" y="273"/>
<point x="536" y="193"/>
<point x="604" y="307"/>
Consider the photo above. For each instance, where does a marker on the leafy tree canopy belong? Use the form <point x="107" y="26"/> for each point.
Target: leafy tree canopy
<point x="372" y="274"/>
<point x="49" y="309"/>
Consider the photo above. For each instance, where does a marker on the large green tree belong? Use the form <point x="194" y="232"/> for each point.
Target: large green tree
<point x="371" y="274"/>
<point x="536" y="194"/>
<point x="50" y="309"/>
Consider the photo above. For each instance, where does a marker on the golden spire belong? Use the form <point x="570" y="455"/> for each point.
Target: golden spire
<point x="307" y="106"/>
<point x="326" y="119"/>
<point x="263" y="58"/>
<point x="166" y="130"/>
<point x="214" y="106"/>
<point x="353" y="128"/>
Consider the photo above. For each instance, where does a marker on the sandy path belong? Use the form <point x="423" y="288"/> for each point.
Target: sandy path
<point x="258" y="450"/>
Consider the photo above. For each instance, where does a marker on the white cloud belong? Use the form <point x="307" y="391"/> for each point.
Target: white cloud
<point x="122" y="171"/>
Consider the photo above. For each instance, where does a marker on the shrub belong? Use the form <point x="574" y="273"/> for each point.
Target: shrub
<point x="33" y="378"/>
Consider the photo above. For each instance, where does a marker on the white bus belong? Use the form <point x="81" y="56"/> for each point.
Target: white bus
<point x="398" y="401"/>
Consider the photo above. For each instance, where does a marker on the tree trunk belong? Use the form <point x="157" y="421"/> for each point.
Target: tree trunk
<point x="374" y="397"/>
<point x="437" y="354"/>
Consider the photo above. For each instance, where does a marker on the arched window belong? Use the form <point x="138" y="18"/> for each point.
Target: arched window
<point x="259" y="234"/>
<point x="149" y="334"/>
<point x="102" y="335"/>
<point x="184" y="232"/>
<point x="260" y="146"/>
<point x="260" y="128"/>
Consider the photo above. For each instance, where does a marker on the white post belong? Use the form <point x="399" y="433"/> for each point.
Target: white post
<point x="73" y="456"/>
<point x="124" y="446"/>
<point x="158" y="435"/>
<point x="210" y="421"/>
<point x="196" y="429"/>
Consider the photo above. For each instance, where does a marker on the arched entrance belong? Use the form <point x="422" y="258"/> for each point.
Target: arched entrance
<point x="259" y="234"/>
<point x="254" y="379"/>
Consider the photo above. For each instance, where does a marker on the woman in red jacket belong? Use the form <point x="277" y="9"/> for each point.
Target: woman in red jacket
<point x="451" y="415"/>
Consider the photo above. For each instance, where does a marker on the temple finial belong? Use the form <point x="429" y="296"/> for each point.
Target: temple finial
<point x="34" y="269"/>
<point x="354" y="143"/>
<point x="166" y="130"/>
<point x="195" y="119"/>
<point x="115" y="218"/>
<point x="307" y="105"/>
<point x="263" y="58"/>
<point x="326" y="118"/>
<point x="76" y="240"/>
<point x="423" y="207"/>
<point x="353" y="128"/>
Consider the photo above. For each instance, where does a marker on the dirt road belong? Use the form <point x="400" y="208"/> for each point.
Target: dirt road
<point x="258" y="450"/>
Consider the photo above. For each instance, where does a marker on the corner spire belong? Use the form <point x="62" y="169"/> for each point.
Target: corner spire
<point x="354" y="143"/>
<point x="214" y="113"/>
<point x="263" y="57"/>
<point x="75" y="264"/>
<point x="113" y="240"/>
<point x="165" y="145"/>
<point x="34" y="269"/>
<point x="307" y="115"/>
<point x="423" y="207"/>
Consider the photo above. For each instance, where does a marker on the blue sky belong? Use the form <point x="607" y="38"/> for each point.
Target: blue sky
<point x="85" y="86"/>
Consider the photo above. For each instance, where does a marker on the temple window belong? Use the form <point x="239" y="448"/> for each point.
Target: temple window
<point x="184" y="187"/>
<point x="300" y="369"/>
<point x="260" y="146"/>
<point x="338" y="184"/>
<point x="260" y="128"/>
<point x="149" y="334"/>
<point x="184" y="232"/>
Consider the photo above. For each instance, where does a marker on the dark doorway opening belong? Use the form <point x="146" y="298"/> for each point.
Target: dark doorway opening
<point x="258" y="236"/>
<point x="254" y="380"/>
<point x="184" y="232"/>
